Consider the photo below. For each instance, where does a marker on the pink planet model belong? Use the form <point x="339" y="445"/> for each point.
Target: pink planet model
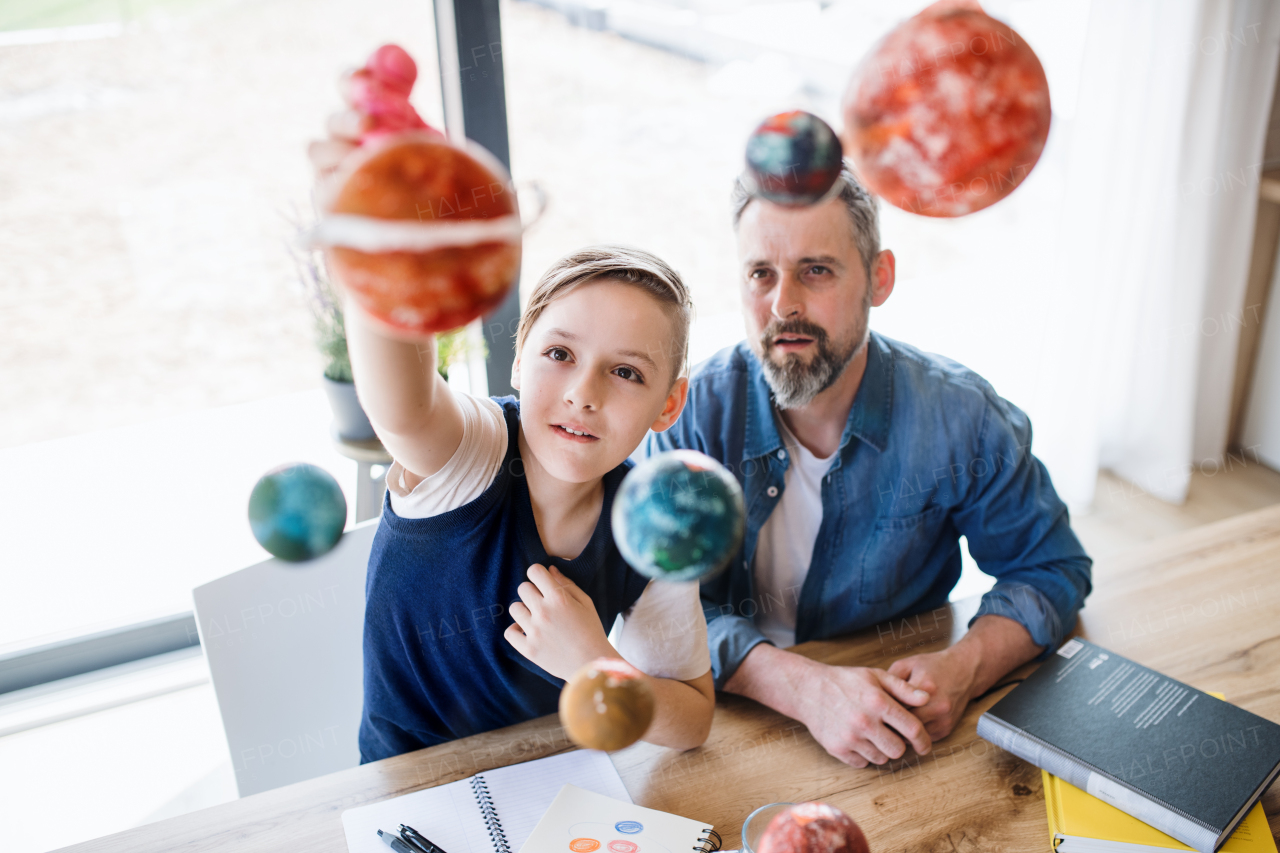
<point x="812" y="828"/>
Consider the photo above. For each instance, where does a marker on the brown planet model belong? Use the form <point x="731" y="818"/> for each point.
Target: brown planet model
<point x="949" y="113"/>
<point x="606" y="705"/>
<point x="812" y="828"/>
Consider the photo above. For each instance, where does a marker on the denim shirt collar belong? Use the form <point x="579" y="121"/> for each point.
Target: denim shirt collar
<point x="868" y="417"/>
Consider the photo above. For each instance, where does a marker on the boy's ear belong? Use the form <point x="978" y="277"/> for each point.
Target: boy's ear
<point x="515" y="373"/>
<point x="676" y="399"/>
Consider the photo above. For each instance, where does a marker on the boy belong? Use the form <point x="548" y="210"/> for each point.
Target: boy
<point x="500" y="507"/>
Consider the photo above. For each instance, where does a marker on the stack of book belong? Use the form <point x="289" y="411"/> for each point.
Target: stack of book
<point x="1147" y="746"/>
<point x="1080" y="823"/>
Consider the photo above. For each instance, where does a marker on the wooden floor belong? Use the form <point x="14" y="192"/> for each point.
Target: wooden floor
<point x="1124" y="517"/>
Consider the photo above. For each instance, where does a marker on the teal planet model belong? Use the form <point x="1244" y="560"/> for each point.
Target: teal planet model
<point x="679" y="516"/>
<point x="297" y="512"/>
<point x="793" y="159"/>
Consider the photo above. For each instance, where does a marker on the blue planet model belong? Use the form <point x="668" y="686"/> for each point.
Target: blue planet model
<point x="297" y="512"/>
<point x="679" y="516"/>
<point x="793" y="158"/>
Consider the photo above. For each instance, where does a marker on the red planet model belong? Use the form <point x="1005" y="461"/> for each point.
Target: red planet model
<point x="949" y="113"/>
<point x="812" y="828"/>
<point x="423" y="233"/>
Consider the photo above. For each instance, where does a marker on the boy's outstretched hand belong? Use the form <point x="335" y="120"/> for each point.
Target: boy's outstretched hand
<point x="556" y="625"/>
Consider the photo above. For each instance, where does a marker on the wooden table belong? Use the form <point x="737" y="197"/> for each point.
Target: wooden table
<point x="1203" y="607"/>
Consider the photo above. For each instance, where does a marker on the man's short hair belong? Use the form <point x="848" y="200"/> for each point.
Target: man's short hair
<point x="860" y="204"/>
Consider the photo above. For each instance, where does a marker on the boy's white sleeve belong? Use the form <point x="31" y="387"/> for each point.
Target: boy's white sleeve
<point x="664" y="634"/>
<point x="472" y="468"/>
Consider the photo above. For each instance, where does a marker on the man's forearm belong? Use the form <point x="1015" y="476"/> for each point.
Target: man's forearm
<point x="772" y="677"/>
<point x="995" y="646"/>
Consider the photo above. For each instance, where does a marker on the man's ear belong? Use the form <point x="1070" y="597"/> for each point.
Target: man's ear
<point x="883" y="276"/>
<point x="676" y="399"/>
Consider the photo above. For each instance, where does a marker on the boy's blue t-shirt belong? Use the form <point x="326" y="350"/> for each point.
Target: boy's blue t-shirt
<point x="436" y="664"/>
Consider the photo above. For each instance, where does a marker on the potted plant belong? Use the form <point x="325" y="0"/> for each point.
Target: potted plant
<point x="349" y="418"/>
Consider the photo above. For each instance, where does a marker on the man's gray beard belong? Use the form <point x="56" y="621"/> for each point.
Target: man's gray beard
<point x="794" y="383"/>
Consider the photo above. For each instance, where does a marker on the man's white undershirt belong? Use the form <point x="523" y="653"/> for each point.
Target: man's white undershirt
<point x="785" y="546"/>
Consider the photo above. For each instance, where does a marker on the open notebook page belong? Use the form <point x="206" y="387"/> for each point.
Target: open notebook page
<point x="446" y="814"/>
<point x="450" y="816"/>
<point x="522" y="793"/>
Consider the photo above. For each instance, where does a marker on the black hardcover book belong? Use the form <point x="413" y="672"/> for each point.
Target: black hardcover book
<point x="1176" y="758"/>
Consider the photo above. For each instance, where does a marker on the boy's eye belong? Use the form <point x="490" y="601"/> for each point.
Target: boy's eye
<point x="557" y="354"/>
<point x="629" y="374"/>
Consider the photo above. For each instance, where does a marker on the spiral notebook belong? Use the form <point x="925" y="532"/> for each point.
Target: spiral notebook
<point x="581" y="821"/>
<point x="491" y="812"/>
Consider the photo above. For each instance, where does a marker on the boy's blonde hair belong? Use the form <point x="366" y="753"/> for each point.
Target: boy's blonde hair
<point x="623" y="264"/>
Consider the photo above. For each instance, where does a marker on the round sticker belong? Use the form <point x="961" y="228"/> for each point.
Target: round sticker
<point x="629" y="827"/>
<point x="624" y="847"/>
<point x="584" y="845"/>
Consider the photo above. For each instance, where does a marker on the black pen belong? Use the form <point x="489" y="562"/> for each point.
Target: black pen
<point x="427" y="845"/>
<point x="395" y="843"/>
<point x="410" y="836"/>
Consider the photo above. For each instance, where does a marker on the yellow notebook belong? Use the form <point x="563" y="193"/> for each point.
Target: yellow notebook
<point x="1081" y="823"/>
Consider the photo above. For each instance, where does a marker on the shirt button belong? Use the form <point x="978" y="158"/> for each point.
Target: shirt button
<point x="782" y="454"/>
<point x="772" y="491"/>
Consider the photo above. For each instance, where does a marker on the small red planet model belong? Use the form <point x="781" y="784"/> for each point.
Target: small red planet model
<point x="606" y="705"/>
<point x="812" y="828"/>
<point x="423" y="233"/>
<point x="949" y="113"/>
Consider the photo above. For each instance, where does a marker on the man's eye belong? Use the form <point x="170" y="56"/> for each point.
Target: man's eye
<point x="818" y="269"/>
<point x="557" y="354"/>
<point x="758" y="273"/>
<point x="629" y="374"/>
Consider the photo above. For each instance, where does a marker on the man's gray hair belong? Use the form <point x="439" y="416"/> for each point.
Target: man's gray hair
<point x="860" y="204"/>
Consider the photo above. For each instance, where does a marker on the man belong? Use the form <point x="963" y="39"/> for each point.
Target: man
<point x="863" y="461"/>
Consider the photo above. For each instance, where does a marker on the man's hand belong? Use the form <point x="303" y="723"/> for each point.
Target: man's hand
<point x="856" y="713"/>
<point x="955" y="676"/>
<point x="949" y="677"/>
<point x="556" y="625"/>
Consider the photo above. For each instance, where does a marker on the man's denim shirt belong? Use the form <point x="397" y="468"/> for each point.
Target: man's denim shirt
<point x="930" y="453"/>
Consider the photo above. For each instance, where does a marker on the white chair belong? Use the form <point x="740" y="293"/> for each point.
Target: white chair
<point x="283" y="644"/>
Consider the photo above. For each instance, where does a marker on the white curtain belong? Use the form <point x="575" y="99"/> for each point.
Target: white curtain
<point x="1163" y="161"/>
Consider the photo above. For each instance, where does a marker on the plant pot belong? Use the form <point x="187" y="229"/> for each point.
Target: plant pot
<point x="348" y="416"/>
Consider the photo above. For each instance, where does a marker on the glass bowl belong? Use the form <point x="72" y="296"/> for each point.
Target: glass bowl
<point x="753" y="827"/>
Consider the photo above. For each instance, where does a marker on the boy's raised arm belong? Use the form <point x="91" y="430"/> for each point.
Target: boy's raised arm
<point x="409" y="403"/>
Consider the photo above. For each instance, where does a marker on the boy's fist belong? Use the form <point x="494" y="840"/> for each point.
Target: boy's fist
<point x="556" y="624"/>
